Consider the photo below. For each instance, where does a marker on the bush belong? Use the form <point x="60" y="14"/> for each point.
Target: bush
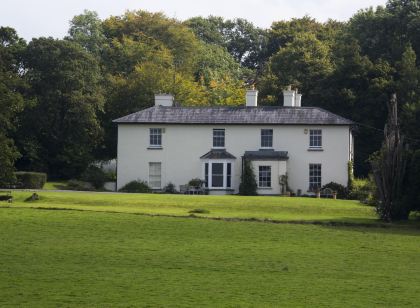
<point x="30" y="180"/>
<point x="96" y="176"/>
<point x="342" y="192"/>
<point x="170" y="189"/>
<point x="136" y="187"/>
<point x="248" y="186"/>
<point x="79" y="185"/>
<point x="363" y="190"/>
<point x="196" y="182"/>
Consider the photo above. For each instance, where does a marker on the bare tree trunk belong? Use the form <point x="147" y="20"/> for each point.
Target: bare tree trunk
<point x="389" y="168"/>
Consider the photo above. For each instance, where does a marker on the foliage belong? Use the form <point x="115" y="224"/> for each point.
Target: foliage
<point x="30" y="180"/>
<point x="79" y="185"/>
<point x="342" y="192"/>
<point x="170" y="189"/>
<point x="12" y="87"/>
<point x="412" y="182"/>
<point x="364" y="190"/>
<point x="199" y="211"/>
<point x="64" y="126"/>
<point x="136" y="187"/>
<point x="95" y="175"/>
<point x="196" y="182"/>
<point x="248" y="186"/>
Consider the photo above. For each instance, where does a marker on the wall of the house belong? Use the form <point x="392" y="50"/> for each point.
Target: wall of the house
<point x="183" y="145"/>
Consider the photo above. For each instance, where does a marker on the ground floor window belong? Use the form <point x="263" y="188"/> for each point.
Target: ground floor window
<point x="155" y="175"/>
<point x="264" y="176"/>
<point x="314" y="176"/>
<point x="218" y="174"/>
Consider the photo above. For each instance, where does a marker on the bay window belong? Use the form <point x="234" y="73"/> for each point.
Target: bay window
<point x="218" y="174"/>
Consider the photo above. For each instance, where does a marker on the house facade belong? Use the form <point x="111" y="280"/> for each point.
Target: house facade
<point x="169" y="144"/>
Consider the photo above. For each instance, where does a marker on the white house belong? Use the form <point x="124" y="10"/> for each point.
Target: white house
<point x="169" y="144"/>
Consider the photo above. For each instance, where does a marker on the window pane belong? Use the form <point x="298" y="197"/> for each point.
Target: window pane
<point x="266" y="138"/>
<point x="155" y="136"/>
<point x="217" y="175"/>
<point x="264" y="176"/>
<point x="315" y="138"/>
<point x="206" y="174"/>
<point x="155" y="170"/>
<point x="315" y="176"/>
<point x="218" y="137"/>
<point x="229" y="175"/>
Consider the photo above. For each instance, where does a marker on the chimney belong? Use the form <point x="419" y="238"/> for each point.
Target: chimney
<point x="289" y="97"/>
<point x="251" y="98"/>
<point x="166" y="100"/>
<point x="298" y="99"/>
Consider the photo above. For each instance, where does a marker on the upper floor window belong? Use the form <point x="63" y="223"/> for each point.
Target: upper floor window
<point x="218" y="138"/>
<point x="314" y="176"/>
<point x="315" y="138"/>
<point x="264" y="176"/>
<point x="155" y="137"/>
<point x="266" y="138"/>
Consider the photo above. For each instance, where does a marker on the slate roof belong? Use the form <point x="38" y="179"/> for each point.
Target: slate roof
<point x="266" y="155"/>
<point x="235" y="115"/>
<point x="218" y="154"/>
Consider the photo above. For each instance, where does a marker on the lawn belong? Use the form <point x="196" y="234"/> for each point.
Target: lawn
<point x="101" y="253"/>
<point x="274" y="208"/>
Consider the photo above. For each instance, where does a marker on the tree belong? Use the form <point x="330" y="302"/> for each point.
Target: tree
<point x="12" y="101"/>
<point x="389" y="168"/>
<point x="248" y="186"/>
<point x="62" y="128"/>
<point x="86" y="29"/>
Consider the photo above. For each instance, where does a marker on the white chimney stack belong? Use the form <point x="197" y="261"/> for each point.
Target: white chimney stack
<point x="251" y="98"/>
<point x="291" y="97"/>
<point x="166" y="100"/>
<point x="298" y="99"/>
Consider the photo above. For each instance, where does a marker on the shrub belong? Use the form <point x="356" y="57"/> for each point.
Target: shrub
<point x="342" y="192"/>
<point x="195" y="182"/>
<point x="170" y="189"/>
<point x="30" y="180"/>
<point x="248" y="186"/>
<point x="363" y="190"/>
<point x="136" y="187"/>
<point x="79" y="185"/>
<point x="95" y="175"/>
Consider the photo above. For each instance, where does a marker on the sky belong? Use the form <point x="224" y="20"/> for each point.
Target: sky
<point x="35" y="18"/>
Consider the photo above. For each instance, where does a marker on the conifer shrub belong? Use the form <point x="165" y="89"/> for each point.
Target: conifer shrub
<point x="248" y="186"/>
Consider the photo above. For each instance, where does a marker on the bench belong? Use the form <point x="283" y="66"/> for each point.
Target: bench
<point x="6" y="195"/>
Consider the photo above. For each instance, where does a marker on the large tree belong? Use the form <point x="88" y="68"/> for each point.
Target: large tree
<point x="12" y="86"/>
<point x="61" y="130"/>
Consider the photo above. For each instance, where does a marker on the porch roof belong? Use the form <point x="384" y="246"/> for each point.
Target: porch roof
<point x="218" y="154"/>
<point x="266" y="155"/>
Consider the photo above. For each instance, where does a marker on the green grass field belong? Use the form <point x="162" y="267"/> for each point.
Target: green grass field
<point x="97" y="250"/>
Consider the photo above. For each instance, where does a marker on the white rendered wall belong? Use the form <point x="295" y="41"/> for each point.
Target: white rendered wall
<point x="183" y="145"/>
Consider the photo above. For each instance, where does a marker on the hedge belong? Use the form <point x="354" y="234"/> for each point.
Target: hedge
<point x="30" y="180"/>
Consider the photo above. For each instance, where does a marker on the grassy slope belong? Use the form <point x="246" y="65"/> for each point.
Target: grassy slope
<point x="74" y="258"/>
<point x="277" y="208"/>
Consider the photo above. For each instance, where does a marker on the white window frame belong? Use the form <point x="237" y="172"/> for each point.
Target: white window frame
<point x="259" y="176"/>
<point x="213" y="138"/>
<point x="266" y="135"/>
<point x="155" y="132"/>
<point x="315" y="138"/>
<point x="151" y="182"/>
<point x="315" y="178"/>
<point x="210" y="163"/>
